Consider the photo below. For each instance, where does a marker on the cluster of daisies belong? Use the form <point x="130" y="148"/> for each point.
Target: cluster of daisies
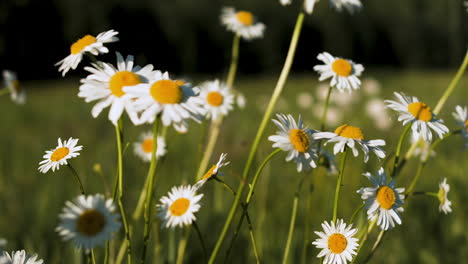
<point x="383" y="200"/>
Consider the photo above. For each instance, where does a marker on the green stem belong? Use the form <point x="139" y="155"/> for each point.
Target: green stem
<point x="252" y="238"/>
<point x="202" y="242"/>
<point x="249" y="198"/>
<point x="77" y="177"/>
<point x="292" y="222"/>
<point x="353" y="216"/>
<point x="118" y="133"/>
<point x="452" y="85"/>
<point x="398" y="150"/>
<point x="151" y="175"/>
<point x="363" y="241"/>
<point x="215" y="128"/>
<point x="338" y="184"/>
<point x="182" y="246"/>
<point x="375" y="246"/>
<point x="325" y="109"/>
<point x="93" y="257"/>
<point x="274" y="98"/>
<point x="234" y="61"/>
<point x="229" y="188"/>
<point x="171" y="251"/>
<point x="425" y="158"/>
<point x="306" y="244"/>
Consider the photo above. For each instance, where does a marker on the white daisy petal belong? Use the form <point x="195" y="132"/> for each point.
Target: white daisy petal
<point x="242" y="23"/>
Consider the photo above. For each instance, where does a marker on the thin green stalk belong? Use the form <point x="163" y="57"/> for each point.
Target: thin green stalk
<point x="93" y="257"/>
<point x="306" y="241"/>
<point x="183" y="245"/>
<point x="252" y="239"/>
<point x="77" y="178"/>
<point x="234" y="61"/>
<point x="202" y="242"/>
<point x="4" y="91"/>
<point x="141" y="200"/>
<point x="151" y="175"/>
<point x="452" y="85"/>
<point x="171" y="251"/>
<point x="338" y="184"/>
<point x="375" y="246"/>
<point x="424" y="160"/>
<point x="363" y="241"/>
<point x="353" y="216"/>
<point x="249" y="198"/>
<point x="118" y="133"/>
<point x="444" y="97"/>
<point x="229" y="188"/>
<point x="292" y="223"/>
<point x="274" y="98"/>
<point x="325" y="109"/>
<point x="398" y="150"/>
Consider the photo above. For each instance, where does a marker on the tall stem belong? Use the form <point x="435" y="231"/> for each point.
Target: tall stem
<point x="77" y="177"/>
<point x="118" y="134"/>
<point x="398" y="150"/>
<point x="234" y="61"/>
<point x="325" y="109"/>
<point x="200" y="237"/>
<point x="274" y="98"/>
<point x="306" y="243"/>
<point x="338" y="184"/>
<point x="149" y="196"/>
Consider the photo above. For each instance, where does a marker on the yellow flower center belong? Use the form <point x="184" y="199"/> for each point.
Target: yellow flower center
<point x="59" y="154"/>
<point x="147" y="145"/>
<point x="342" y="67"/>
<point x="299" y="140"/>
<point x="215" y="98"/>
<point x="466" y="126"/>
<point x="349" y="132"/>
<point x="420" y="111"/>
<point x="245" y="18"/>
<point x="179" y="206"/>
<point x="166" y="92"/>
<point x="16" y="85"/>
<point x="337" y="243"/>
<point x="90" y="222"/>
<point x="441" y="195"/>
<point x="386" y="197"/>
<point x="82" y="43"/>
<point x="122" y="79"/>
<point x="209" y="173"/>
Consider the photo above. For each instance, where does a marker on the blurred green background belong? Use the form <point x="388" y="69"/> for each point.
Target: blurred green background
<point x="409" y="46"/>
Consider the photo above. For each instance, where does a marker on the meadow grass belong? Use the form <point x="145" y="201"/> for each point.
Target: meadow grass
<point x="30" y="201"/>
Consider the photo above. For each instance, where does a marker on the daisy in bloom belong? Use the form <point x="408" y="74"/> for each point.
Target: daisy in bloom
<point x="213" y="171"/>
<point x="54" y="158"/>
<point x="308" y="5"/>
<point x="461" y="116"/>
<point x="383" y="200"/>
<point x="144" y="147"/>
<point x="297" y="140"/>
<point x="218" y="99"/>
<point x="242" y="23"/>
<point x="350" y="136"/>
<point x="17" y="93"/>
<point x="88" y="43"/>
<point x="337" y="242"/>
<point x="19" y="257"/>
<point x="179" y="206"/>
<point x="419" y="114"/>
<point x="174" y="100"/>
<point x="344" y="72"/>
<point x="105" y="84"/>
<point x="350" y="5"/>
<point x="89" y="221"/>
<point x="445" y="204"/>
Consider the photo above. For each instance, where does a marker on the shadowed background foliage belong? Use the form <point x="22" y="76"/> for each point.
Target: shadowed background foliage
<point x="185" y="36"/>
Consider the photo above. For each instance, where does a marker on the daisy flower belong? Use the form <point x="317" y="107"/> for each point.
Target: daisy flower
<point x="445" y="204"/>
<point x="461" y="117"/>
<point x="57" y="157"/>
<point x="350" y="5"/>
<point x="218" y="99"/>
<point x="350" y="136"/>
<point x="242" y="23"/>
<point x="88" y="221"/>
<point x="88" y="43"/>
<point x="213" y="171"/>
<point x="17" y="93"/>
<point x="179" y="206"/>
<point x="308" y="5"/>
<point x="175" y="101"/>
<point x="419" y="114"/>
<point x="297" y="140"/>
<point x="105" y="84"/>
<point x="337" y="242"/>
<point x="383" y="200"/>
<point x="344" y="73"/>
<point x="19" y="257"/>
<point x="144" y="147"/>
